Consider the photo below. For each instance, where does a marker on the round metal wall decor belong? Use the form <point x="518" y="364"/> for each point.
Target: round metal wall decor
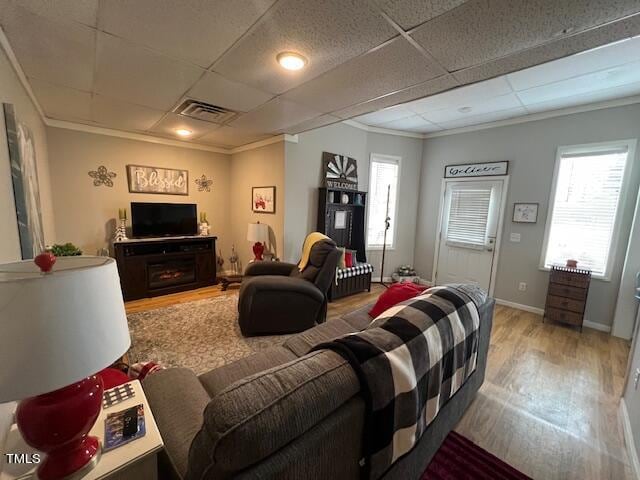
<point x="204" y="184"/>
<point x="102" y="176"/>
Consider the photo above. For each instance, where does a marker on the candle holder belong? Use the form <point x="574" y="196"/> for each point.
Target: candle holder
<point x="121" y="231"/>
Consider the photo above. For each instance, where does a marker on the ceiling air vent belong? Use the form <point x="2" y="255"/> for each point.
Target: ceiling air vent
<point x="205" y="111"/>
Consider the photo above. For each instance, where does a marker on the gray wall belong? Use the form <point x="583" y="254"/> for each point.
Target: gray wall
<point x="531" y="150"/>
<point x="631" y="394"/>
<point x="303" y="176"/>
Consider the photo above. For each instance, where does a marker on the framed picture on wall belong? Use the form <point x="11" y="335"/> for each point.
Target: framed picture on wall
<point x="525" y="212"/>
<point x="263" y="199"/>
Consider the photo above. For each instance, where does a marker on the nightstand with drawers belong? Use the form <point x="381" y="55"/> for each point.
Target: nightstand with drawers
<point x="567" y="295"/>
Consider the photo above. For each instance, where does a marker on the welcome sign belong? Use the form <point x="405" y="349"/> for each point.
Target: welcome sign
<point x="476" y="170"/>
<point x="144" y="179"/>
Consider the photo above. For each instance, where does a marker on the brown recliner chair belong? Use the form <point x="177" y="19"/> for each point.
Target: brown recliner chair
<point x="275" y="297"/>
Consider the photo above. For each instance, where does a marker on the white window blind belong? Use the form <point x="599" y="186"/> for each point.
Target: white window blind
<point x="584" y="208"/>
<point x="383" y="174"/>
<point x="468" y="217"/>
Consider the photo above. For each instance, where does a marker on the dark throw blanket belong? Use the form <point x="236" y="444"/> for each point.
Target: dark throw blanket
<point x="410" y="360"/>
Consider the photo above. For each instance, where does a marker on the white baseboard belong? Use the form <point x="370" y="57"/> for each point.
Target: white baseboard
<point x="632" y="453"/>
<point x="597" y="326"/>
<point x="540" y="311"/>
<point x="520" y="306"/>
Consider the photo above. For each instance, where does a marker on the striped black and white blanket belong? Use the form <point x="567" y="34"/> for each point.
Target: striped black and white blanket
<point x="410" y="361"/>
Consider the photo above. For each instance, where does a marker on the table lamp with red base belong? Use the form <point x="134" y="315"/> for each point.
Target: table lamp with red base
<point x="59" y="328"/>
<point x="258" y="233"/>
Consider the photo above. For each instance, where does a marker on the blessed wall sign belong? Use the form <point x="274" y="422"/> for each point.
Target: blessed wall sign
<point x="476" y="170"/>
<point x="145" y="179"/>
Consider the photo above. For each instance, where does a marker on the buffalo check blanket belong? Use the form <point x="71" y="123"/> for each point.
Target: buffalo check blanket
<point x="410" y="361"/>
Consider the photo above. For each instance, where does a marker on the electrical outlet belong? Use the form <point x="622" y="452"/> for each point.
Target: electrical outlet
<point x="522" y="286"/>
<point x="636" y="378"/>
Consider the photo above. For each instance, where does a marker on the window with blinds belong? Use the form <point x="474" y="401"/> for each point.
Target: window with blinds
<point x="584" y="208"/>
<point x="468" y="217"/>
<point x="383" y="178"/>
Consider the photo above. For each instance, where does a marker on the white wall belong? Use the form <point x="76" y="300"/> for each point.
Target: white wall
<point x="11" y="91"/>
<point x="531" y="150"/>
<point x="303" y="176"/>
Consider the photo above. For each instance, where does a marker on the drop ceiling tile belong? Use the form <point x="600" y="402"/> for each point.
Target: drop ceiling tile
<point x="480" y="31"/>
<point x="583" y="84"/>
<point x="486" y="118"/>
<point x="409" y="13"/>
<point x="586" y="98"/>
<point x="385" y="115"/>
<point x="62" y="103"/>
<point x="85" y="11"/>
<point x="226" y="136"/>
<point x="489" y="105"/>
<point x="196" y="31"/>
<point x="172" y="122"/>
<point x="112" y="113"/>
<point x="275" y="115"/>
<point x="327" y="33"/>
<point x="430" y="87"/>
<point x="140" y="76"/>
<point x="463" y="96"/>
<point x="390" y="68"/>
<point x="215" y="89"/>
<point x="562" y="47"/>
<point x="311" y="124"/>
<point x="601" y="58"/>
<point x="61" y="53"/>
<point x="411" y="124"/>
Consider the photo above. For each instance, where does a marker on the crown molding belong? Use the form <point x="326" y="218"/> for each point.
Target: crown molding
<point x="267" y="141"/>
<point x="386" y="131"/>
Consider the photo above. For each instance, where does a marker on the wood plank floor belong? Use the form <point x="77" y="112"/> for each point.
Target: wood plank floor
<point x="549" y="404"/>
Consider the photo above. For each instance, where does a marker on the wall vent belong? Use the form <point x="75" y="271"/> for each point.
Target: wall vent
<point x="205" y="111"/>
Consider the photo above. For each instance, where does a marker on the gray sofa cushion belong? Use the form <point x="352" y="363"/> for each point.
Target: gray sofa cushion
<point x="216" y="380"/>
<point x="302" y="343"/>
<point x="177" y="400"/>
<point x="359" y="319"/>
<point x="257" y="416"/>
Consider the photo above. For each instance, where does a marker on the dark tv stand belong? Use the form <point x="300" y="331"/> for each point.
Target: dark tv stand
<point x="150" y="267"/>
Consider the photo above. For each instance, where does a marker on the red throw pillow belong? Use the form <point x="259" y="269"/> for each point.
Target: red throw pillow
<point x="396" y="293"/>
<point x="348" y="259"/>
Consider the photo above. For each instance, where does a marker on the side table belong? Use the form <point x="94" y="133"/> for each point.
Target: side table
<point x="134" y="460"/>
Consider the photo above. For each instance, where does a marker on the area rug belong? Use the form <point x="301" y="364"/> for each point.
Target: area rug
<point x="460" y="459"/>
<point x="199" y="335"/>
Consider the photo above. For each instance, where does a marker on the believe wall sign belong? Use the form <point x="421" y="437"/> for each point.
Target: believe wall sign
<point x="476" y="170"/>
<point x="340" y="171"/>
<point x="144" y="179"/>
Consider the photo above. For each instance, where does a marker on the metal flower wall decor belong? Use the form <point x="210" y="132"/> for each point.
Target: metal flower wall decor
<point x="102" y="176"/>
<point x="204" y="184"/>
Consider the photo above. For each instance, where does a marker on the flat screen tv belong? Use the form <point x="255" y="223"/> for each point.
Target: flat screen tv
<point x="163" y="219"/>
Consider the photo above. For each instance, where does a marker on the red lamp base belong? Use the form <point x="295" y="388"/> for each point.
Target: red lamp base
<point x="258" y="250"/>
<point x="58" y="424"/>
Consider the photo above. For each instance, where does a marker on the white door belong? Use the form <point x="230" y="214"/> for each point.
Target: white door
<point x="470" y="215"/>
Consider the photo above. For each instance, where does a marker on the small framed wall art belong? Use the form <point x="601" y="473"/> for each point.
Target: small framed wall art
<point x="525" y="212"/>
<point x="263" y="199"/>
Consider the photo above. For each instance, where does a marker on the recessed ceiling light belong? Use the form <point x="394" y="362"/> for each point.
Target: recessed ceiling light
<point x="183" y="132"/>
<point x="291" y="60"/>
<point x="465" y="109"/>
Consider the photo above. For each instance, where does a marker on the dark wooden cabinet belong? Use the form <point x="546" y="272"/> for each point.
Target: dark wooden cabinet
<point x="153" y="267"/>
<point x="343" y="222"/>
<point x="567" y="295"/>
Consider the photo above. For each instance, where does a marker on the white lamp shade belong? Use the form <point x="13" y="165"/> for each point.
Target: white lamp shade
<point x="60" y="327"/>
<point x="258" y="232"/>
